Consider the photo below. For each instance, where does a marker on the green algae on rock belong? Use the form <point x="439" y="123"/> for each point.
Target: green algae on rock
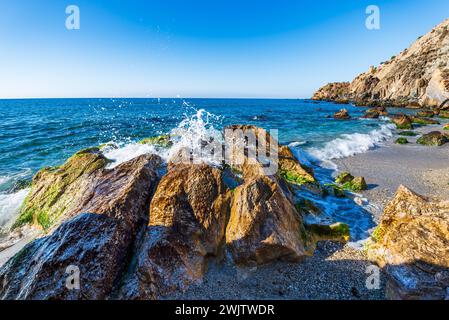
<point x="434" y="138"/>
<point x="344" y="177"/>
<point x="401" y="141"/>
<point x="163" y="141"/>
<point x="424" y="121"/>
<point x="55" y="189"/>
<point x="408" y="133"/>
<point x="348" y="182"/>
<point x="334" y="232"/>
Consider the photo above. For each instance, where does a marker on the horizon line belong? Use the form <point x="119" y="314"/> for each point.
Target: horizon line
<point x="166" y="97"/>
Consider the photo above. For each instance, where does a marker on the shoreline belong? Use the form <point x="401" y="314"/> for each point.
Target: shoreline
<point x="422" y="168"/>
<point x="337" y="271"/>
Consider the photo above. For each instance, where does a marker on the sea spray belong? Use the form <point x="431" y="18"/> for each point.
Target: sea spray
<point x="10" y="205"/>
<point x="191" y="133"/>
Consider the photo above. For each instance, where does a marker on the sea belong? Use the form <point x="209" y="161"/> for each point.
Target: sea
<point x="37" y="133"/>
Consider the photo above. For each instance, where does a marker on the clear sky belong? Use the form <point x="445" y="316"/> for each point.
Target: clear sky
<point x="199" y="48"/>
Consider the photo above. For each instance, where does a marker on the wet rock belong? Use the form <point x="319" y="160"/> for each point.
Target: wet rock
<point x="374" y="113"/>
<point x="443" y="114"/>
<point x="408" y="133"/>
<point x="264" y="224"/>
<point x="344" y="177"/>
<point x="412" y="240"/>
<point x="434" y="138"/>
<point x="403" y="122"/>
<point x="188" y="216"/>
<point x="97" y="241"/>
<point x="163" y="141"/>
<point x="351" y="183"/>
<point x="426" y="114"/>
<point x="358" y="184"/>
<point x="401" y="141"/>
<point x="57" y="191"/>
<point x="343" y="114"/>
<point x="291" y="170"/>
<point x="424" y="121"/>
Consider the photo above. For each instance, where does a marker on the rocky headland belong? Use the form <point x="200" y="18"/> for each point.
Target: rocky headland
<point x="417" y="77"/>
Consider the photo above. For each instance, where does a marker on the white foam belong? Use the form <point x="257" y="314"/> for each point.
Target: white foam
<point x="127" y="152"/>
<point x="10" y="205"/>
<point x="190" y="133"/>
<point x="351" y="144"/>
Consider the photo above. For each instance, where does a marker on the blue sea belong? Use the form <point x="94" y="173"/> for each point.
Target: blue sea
<point x="46" y="132"/>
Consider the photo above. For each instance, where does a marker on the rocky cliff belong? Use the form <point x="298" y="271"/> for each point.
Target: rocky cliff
<point x="418" y="76"/>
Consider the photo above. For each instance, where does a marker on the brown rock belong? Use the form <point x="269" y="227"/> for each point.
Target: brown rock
<point x="188" y="218"/>
<point x="97" y="242"/>
<point x="417" y="77"/>
<point x="402" y="121"/>
<point x="264" y="224"/>
<point x="413" y="238"/>
<point x="342" y="115"/>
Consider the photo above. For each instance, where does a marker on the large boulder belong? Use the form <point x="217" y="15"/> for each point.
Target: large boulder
<point x="188" y="216"/>
<point x="97" y="241"/>
<point x="412" y="243"/>
<point x="434" y="138"/>
<point x="56" y="191"/>
<point x="264" y="224"/>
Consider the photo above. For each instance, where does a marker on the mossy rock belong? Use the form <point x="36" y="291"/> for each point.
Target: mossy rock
<point x="334" y="232"/>
<point x="335" y="190"/>
<point x="401" y="141"/>
<point x="446" y="127"/>
<point x="434" y="138"/>
<point x="54" y="189"/>
<point x="444" y="114"/>
<point x="403" y="122"/>
<point x="293" y="171"/>
<point x="163" y="141"/>
<point x="344" y="177"/>
<point x="408" y="133"/>
<point x="425" y="114"/>
<point x="356" y="185"/>
<point x="295" y="178"/>
<point x="424" y="121"/>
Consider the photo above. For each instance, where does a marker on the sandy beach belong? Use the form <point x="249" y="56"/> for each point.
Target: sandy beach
<point x="423" y="169"/>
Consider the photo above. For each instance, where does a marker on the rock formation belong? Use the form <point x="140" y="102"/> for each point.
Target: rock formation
<point x="342" y="115"/>
<point x="412" y="243"/>
<point x="434" y="138"/>
<point x="417" y="77"/>
<point x="131" y="234"/>
<point x="97" y="241"/>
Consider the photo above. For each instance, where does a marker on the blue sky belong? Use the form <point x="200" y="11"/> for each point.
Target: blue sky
<point x="198" y="48"/>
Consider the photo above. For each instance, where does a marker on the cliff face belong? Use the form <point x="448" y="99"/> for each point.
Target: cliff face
<point x="418" y="76"/>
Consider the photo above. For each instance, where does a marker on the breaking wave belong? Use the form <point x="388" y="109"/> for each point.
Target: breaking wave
<point x="351" y="144"/>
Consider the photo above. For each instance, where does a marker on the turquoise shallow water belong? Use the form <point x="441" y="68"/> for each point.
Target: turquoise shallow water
<point x="39" y="133"/>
